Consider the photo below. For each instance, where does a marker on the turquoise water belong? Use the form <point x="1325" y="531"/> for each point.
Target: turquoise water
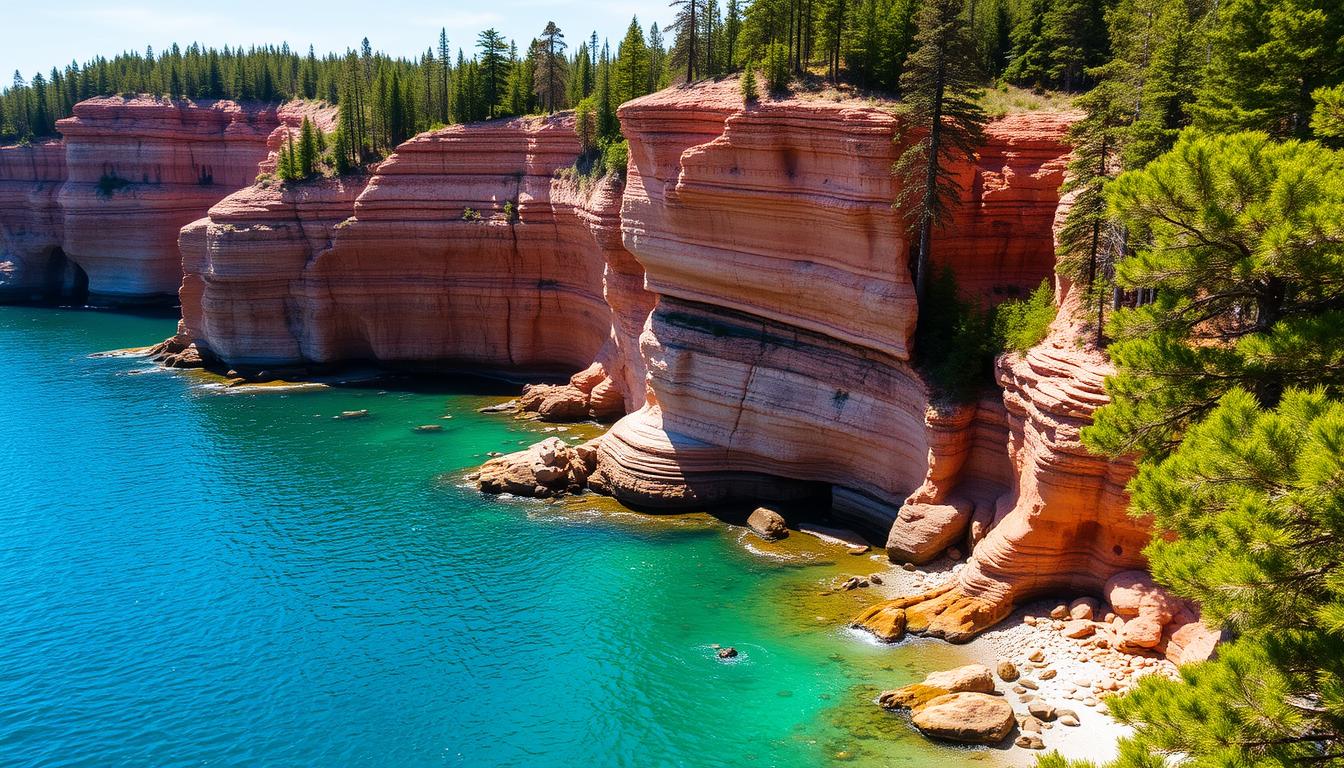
<point x="190" y="578"/>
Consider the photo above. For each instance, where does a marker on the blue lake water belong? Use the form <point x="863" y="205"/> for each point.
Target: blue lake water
<point x="196" y="578"/>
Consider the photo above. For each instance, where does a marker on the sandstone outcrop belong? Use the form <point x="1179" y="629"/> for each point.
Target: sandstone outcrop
<point x="1062" y="527"/>
<point x="972" y="718"/>
<point x="955" y="705"/>
<point x="590" y="394"/>
<point x="32" y="264"/>
<point x="464" y="248"/>
<point x="547" y="468"/>
<point x="137" y="170"/>
<point x="779" y="360"/>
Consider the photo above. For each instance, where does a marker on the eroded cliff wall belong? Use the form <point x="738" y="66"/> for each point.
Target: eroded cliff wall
<point x="139" y="169"/>
<point x="32" y="265"/>
<point x="778" y="355"/>
<point x="463" y="248"/>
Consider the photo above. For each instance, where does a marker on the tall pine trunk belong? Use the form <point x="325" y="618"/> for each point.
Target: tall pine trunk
<point x="930" y="187"/>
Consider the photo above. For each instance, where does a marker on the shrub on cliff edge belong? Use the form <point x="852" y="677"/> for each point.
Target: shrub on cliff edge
<point x="1021" y="324"/>
<point x="749" y="92"/>
<point x="955" y="344"/>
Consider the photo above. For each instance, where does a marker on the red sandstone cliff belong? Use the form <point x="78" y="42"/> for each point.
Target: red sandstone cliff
<point x="778" y="353"/>
<point x="463" y="248"/>
<point x="138" y="169"/>
<point x="32" y="265"/>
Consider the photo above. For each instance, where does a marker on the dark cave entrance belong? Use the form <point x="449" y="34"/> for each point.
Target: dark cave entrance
<point x="66" y="281"/>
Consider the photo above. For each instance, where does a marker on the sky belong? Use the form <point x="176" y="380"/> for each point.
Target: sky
<point x="40" y="35"/>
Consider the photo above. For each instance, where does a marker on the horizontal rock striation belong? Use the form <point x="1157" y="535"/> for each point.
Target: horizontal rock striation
<point x="1063" y="525"/>
<point x="138" y="170"/>
<point x="32" y="264"/>
<point x="463" y="248"/>
<point x="778" y="353"/>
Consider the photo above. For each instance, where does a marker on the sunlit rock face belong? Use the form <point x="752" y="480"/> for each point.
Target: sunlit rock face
<point x="139" y="169"/>
<point x="464" y="248"/>
<point x="778" y="355"/>
<point x="32" y="264"/>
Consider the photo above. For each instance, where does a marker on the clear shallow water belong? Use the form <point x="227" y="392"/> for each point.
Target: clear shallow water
<point x="195" y="578"/>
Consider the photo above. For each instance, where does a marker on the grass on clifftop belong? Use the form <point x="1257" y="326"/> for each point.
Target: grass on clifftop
<point x="1009" y="100"/>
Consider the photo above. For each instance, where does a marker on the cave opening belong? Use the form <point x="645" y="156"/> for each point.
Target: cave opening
<point x="66" y="281"/>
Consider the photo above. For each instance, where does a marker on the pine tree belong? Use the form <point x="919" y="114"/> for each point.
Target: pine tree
<point x="1267" y="57"/>
<point x="287" y="164"/>
<point x="607" y="124"/>
<point x="1248" y="519"/>
<point x="1030" y="65"/>
<point x="834" y="21"/>
<point x="657" y="59"/>
<point x="749" y="91"/>
<point x="493" y="67"/>
<point x="1075" y="33"/>
<point x="686" y="32"/>
<point x="444" y="53"/>
<point x="632" y="64"/>
<point x="1088" y="245"/>
<point x="1327" y="121"/>
<point x="307" y="157"/>
<point x="551" y="70"/>
<point x="940" y="90"/>
<point x="1241" y="239"/>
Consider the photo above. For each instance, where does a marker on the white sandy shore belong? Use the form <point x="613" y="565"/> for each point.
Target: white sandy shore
<point x="1078" y="668"/>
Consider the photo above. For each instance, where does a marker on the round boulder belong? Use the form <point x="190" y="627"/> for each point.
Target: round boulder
<point x="970" y="718"/>
<point x="768" y="524"/>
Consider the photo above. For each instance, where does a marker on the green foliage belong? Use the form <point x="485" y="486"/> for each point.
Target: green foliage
<point x="1021" y="324"/>
<point x="1267" y="57"/>
<point x="308" y="153"/>
<point x="778" y="73"/>
<point x="632" y="65"/>
<point x="940" y="89"/>
<point x="1327" y="121"/>
<point x="1249" y="520"/>
<point x="1242" y="239"/>
<point x="616" y="157"/>
<point x="287" y="163"/>
<point x="955" y="341"/>
<point x="471" y="214"/>
<point x="1056" y="43"/>
<point x="494" y="69"/>
<point x="511" y="211"/>
<point x="749" y="91"/>
<point x="552" y="70"/>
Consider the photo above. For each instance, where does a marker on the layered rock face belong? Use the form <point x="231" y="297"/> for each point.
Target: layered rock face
<point x="1062" y="525"/>
<point x="32" y="265"/>
<point x="778" y="353"/>
<point x="463" y="248"/>
<point x="139" y="169"/>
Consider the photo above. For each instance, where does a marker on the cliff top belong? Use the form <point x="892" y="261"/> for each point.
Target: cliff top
<point x="1012" y="113"/>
